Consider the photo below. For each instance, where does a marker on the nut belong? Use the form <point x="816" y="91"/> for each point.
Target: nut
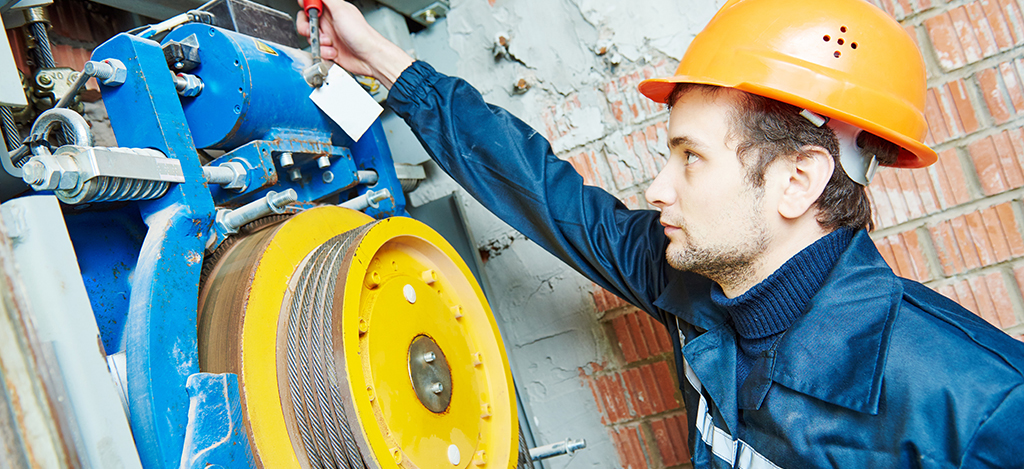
<point x="119" y="75"/>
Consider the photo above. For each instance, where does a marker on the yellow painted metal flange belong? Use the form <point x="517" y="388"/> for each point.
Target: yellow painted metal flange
<point x="243" y="327"/>
<point x="403" y="282"/>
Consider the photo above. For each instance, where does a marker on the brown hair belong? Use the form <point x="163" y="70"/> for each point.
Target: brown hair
<point x="767" y="129"/>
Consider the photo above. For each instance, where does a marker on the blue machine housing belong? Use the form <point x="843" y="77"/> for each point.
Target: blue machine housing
<point x="141" y="261"/>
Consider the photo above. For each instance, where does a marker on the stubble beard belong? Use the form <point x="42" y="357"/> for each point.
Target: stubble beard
<point x="724" y="264"/>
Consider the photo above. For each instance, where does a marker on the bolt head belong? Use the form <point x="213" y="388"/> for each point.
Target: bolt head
<point x="323" y="161"/>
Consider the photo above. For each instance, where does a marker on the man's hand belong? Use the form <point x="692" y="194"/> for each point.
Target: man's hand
<point x="348" y="40"/>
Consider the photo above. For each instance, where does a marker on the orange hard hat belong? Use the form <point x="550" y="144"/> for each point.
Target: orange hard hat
<point x="843" y="59"/>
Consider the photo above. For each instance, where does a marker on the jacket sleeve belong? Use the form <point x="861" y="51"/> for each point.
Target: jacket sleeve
<point x="511" y="169"/>
<point x="997" y="442"/>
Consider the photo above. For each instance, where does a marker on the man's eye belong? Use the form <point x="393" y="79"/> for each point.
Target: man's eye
<point x="691" y="157"/>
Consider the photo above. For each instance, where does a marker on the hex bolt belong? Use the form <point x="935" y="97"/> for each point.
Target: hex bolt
<point x="295" y="174"/>
<point x="44" y="79"/>
<point x="429" y="357"/>
<point x="286" y="159"/>
<point x="437" y="388"/>
<point x="323" y="161"/>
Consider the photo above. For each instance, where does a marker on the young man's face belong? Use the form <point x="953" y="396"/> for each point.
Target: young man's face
<point x="714" y="219"/>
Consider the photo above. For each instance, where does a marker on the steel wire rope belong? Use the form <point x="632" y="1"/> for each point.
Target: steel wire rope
<point x="294" y="342"/>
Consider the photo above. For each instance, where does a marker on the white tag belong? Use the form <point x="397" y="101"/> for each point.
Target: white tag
<point x="346" y="103"/>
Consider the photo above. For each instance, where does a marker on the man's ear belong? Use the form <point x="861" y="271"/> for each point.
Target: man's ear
<point x="808" y="174"/>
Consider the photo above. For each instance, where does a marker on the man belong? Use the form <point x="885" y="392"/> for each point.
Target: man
<point x="797" y="344"/>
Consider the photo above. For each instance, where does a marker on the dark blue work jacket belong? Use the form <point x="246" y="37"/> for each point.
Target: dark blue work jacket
<point x="879" y="372"/>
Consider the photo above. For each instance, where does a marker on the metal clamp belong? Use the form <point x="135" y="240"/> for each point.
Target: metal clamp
<point x="96" y="174"/>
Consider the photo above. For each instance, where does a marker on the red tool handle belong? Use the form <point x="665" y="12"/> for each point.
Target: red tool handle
<point x="317" y="5"/>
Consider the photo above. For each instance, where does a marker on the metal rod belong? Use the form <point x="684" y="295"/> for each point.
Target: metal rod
<point x="555" y="449"/>
<point x="274" y="202"/>
<point x="369" y="199"/>
<point x="368" y="178"/>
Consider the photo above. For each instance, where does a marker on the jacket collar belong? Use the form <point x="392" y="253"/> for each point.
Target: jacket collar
<point x="837" y="351"/>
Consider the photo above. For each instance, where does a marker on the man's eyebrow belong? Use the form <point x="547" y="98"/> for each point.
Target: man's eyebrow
<point x="685" y="141"/>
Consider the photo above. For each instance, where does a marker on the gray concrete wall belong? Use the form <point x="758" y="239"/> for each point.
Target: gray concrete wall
<point x="568" y="52"/>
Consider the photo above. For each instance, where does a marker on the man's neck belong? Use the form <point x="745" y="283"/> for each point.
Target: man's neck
<point x="782" y="247"/>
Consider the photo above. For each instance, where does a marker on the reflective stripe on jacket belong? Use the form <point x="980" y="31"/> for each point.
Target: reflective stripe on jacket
<point x="880" y="372"/>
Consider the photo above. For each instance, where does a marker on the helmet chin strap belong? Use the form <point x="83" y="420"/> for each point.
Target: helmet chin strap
<point x="857" y="164"/>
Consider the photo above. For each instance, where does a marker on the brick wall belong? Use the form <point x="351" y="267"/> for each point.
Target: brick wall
<point x="956" y="226"/>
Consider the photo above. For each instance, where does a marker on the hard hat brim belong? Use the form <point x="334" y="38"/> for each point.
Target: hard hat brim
<point x="913" y="154"/>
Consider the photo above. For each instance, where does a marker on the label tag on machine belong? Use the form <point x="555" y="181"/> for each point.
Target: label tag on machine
<point x="346" y="103"/>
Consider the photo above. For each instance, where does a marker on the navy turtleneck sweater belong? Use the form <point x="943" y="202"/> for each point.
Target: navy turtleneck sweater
<point x="762" y="314"/>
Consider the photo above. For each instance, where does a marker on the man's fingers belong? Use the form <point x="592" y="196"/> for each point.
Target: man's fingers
<point x="302" y="23"/>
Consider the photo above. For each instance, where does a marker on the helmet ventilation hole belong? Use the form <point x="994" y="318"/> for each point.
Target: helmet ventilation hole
<point x="853" y="45"/>
<point x="839" y="41"/>
<point x="826" y="38"/>
<point x="842" y="29"/>
<point x="837" y="54"/>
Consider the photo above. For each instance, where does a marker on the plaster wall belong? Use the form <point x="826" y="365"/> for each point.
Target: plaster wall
<point x="571" y="54"/>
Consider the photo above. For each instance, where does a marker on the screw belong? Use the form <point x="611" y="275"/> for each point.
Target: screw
<point x="437" y="388"/>
<point x="44" y="79"/>
<point x="328" y="177"/>
<point x="323" y="161"/>
<point x="295" y="174"/>
<point x="429" y="357"/>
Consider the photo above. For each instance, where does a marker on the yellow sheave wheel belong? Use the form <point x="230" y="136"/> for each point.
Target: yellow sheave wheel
<point x="356" y="339"/>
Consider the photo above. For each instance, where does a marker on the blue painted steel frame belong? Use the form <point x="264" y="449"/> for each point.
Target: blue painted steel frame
<point x="162" y="350"/>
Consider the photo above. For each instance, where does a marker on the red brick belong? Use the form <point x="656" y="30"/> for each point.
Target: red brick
<point x="962" y="102"/>
<point x="1008" y="159"/>
<point x="911" y="194"/>
<point x="585" y="163"/>
<point x="950" y="113"/>
<point x="671" y="436"/>
<point x="650" y="382"/>
<point x="996" y="19"/>
<point x="1010" y="228"/>
<point x="1013" y="86"/>
<point x="1014" y="19"/>
<point x="920" y="263"/>
<point x="888" y="6"/>
<point x="632" y="454"/>
<point x="933" y="116"/>
<point x="982" y="29"/>
<point x="926" y="189"/>
<point x="902" y="258"/>
<point x="636" y="332"/>
<point x="947" y="248"/>
<point x="944" y="39"/>
<point x="647" y="328"/>
<point x="1001" y="300"/>
<point x="986" y="162"/>
<point x="967" y="244"/>
<point x="965" y="296"/>
<point x="884" y="215"/>
<point x="994" y="98"/>
<point x="1000" y="248"/>
<point x="638" y="393"/>
<point x="609" y="388"/>
<point x="982" y="243"/>
<point x="986" y="308"/>
<point x="662" y="343"/>
<point x="626" y="341"/>
<point x="1016" y="137"/>
<point x="965" y="32"/>
<point x="952" y="182"/>
<point x="667" y="384"/>
<point x="895" y="193"/>
<point x="605" y="300"/>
